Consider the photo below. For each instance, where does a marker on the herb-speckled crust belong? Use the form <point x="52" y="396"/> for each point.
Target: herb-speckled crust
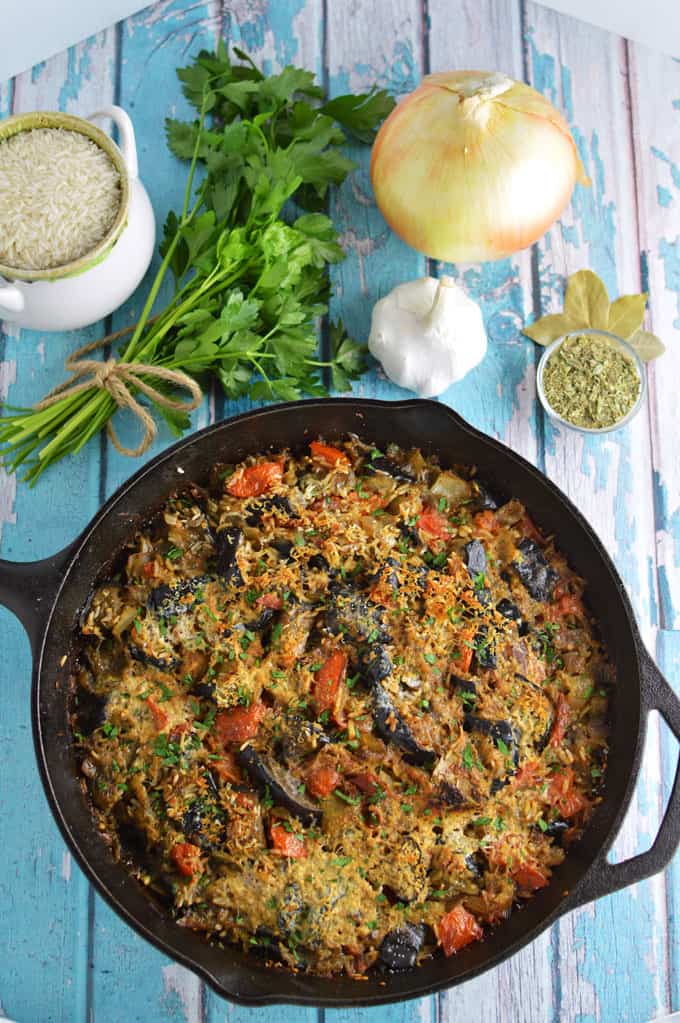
<point x="333" y="720"/>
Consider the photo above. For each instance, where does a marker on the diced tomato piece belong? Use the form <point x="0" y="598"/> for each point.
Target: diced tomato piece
<point x="244" y="800"/>
<point x="366" y="782"/>
<point x="239" y="723"/>
<point x="433" y="523"/>
<point x="529" y="877"/>
<point x="160" y="718"/>
<point x="456" y="929"/>
<point x="187" y="858"/>
<point x="226" y="768"/>
<point x="528" y="775"/>
<point x="322" y="779"/>
<point x="148" y="569"/>
<point x="270" y="600"/>
<point x="464" y="649"/>
<point x="326" y="453"/>
<point x="328" y="680"/>
<point x="567" y="604"/>
<point x="562" y="720"/>
<point x="253" y="480"/>
<point x="561" y="793"/>
<point x="487" y="520"/>
<point x="285" y="843"/>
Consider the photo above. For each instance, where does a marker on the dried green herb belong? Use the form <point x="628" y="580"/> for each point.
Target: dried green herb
<point x="586" y="304"/>
<point x="591" y="382"/>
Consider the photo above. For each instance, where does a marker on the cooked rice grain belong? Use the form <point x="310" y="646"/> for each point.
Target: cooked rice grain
<point x="59" y="196"/>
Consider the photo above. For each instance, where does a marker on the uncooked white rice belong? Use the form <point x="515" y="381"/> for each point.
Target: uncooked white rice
<point x="59" y="196"/>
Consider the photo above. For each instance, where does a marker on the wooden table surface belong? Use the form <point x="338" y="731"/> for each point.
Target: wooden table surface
<point x="63" y="954"/>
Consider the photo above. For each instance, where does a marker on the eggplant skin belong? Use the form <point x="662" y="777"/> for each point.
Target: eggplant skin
<point x="137" y="654"/>
<point x="166" y="601"/>
<point x="497" y="731"/>
<point x="484" y="499"/>
<point x="475" y="557"/>
<point x="256" y="509"/>
<point x="534" y="572"/>
<point x="510" y="611"/>
<point x="227" y="542"/>
<point x="387" y="467"/>
<point x="485" y="653"/>
<point x="385" y="714"/>
<point x="399" y="948"/>
<point x="269" y="776"/>
<point x="283" y="548"/>
<point x="556" y="830"/>
<point x="375" y="665"/>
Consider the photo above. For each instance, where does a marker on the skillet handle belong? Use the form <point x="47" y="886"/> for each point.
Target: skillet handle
<point x="29" y="589"/>
<point x="605" y="878"/>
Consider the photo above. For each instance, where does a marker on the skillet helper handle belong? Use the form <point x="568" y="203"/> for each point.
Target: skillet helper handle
<point x="605" y="878"/>
<point x="29" y="588"/>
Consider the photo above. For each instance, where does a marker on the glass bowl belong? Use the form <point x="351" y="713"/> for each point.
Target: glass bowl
<point x="625" y="348"/>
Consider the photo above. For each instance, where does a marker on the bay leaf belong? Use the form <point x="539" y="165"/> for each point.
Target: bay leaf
<point x="586" y="300"/>
<point x="549" y="328"/>
<point x="647" y="345"/>
<point x="626" y="314"/>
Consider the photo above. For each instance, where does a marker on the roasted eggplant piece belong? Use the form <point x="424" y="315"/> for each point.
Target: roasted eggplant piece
<point x="399" y="948"/>
<point x="387" y="467"/>
<point x="534" y="572"/>
<point x="410" y="534"/>
<point x="167" y="601"/>
<point x="392" y="728"/>
<point x="556" y="830"/>
<point x="485" y="652"/>
<point x="510" y="611"/>
<point x="282" y="547"/>
<point x="227" y="542"/>
<point x="350" y="611"/>
<point x="450" y="795"/>
<point x="465" y="690"/>
<point x="498" y="731"/>
<point x="263" y="620"/>
<point x="475" y="557"/>
<point x="375" y="664"/>
<point x="319" y="563"/>
<point x="137" y="654"/>
<point x="268" y="776"/>
<point x="300" y="738"/>
<point x="484" y="500"/>
<point x="476" y="863"/>
<point x="256" y="509"/>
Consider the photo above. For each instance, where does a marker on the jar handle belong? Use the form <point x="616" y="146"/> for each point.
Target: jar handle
<point x="128" y="146"/>
<point x="12" y="301"/>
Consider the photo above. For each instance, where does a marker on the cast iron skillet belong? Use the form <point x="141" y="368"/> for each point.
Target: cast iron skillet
<point x="47" y="596"/>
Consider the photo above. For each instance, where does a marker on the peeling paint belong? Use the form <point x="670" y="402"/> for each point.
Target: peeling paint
<point x="181" y="984"/>
<point x="66" y="864"/>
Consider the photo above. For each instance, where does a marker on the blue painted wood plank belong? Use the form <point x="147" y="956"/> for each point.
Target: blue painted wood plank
<point x="583" y="71"/>
<point x="43" y="941"/>
<point x="129" y="979"/>
<point x="668" y="659"/>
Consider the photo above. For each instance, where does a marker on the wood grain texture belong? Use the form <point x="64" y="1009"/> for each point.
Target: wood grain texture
<point x="65" y="955"/>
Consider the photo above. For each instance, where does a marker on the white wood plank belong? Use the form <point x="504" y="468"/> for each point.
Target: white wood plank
<point x="655" y="101"/>
<point x="584" y="71"/>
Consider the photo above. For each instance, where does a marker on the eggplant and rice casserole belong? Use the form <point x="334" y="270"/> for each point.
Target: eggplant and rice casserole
<point x="341" y="707"/>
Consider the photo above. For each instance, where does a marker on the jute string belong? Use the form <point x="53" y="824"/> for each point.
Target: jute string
<point x="116" y="378"/>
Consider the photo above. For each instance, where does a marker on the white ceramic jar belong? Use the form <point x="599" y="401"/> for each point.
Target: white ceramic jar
<point x="89" y="288"/>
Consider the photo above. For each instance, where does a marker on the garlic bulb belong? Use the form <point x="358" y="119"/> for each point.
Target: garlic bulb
<point x="473" y="166"/>
<point x="427" y="334"/>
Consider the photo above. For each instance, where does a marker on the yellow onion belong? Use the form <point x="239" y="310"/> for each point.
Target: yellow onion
<point x="473" y="166"/>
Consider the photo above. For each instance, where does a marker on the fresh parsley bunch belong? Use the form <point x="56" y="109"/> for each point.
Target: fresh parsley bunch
<point x="249" y="252"/>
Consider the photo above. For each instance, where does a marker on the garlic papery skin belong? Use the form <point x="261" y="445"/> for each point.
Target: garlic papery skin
<point x="473" y="166"/>
<point x="427" y="334"/>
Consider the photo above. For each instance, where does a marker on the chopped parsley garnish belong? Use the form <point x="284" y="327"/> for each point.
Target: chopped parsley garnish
<point x="352" y="800"/>
<point x="174" y="553"/>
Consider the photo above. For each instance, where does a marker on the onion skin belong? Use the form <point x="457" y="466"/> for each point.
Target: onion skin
<point x="473" y="166"/>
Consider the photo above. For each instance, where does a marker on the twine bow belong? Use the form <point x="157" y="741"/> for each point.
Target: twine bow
<point x="116" y="378"/>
